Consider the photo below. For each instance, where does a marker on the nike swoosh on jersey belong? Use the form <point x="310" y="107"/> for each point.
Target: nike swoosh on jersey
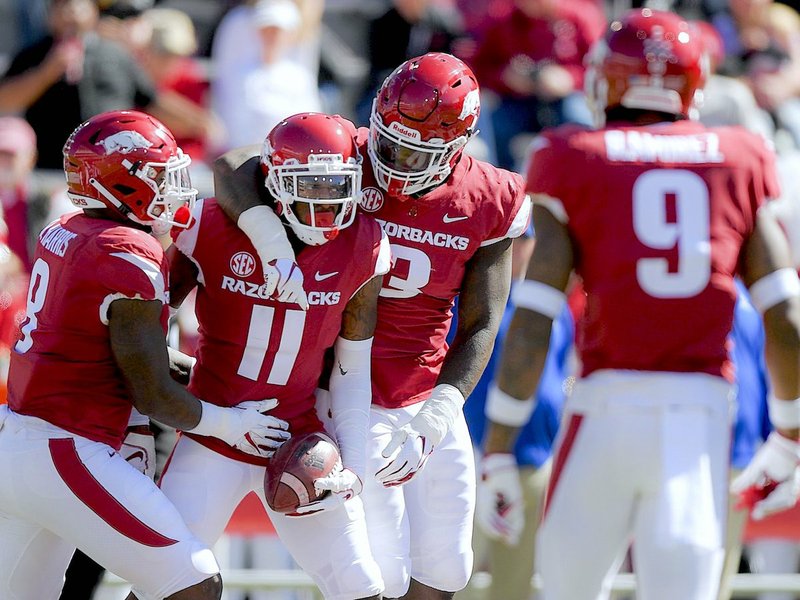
<point x="448" y="219"/>
<point x="320" y="277"/>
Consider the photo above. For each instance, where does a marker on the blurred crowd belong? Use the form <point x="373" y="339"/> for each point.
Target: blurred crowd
<point x="222" y="73"/>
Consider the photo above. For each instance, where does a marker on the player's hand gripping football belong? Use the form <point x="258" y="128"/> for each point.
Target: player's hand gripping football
<point x="284" y="281"/>
<point x="771" y="482"/>
<point x="500" y="507"/>
<point x="342" y="484"/>
<point x="246" y="426"/>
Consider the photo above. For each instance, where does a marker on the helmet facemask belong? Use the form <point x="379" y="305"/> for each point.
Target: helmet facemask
<point x="403" y="163"/>
<point x="317" y="198"/>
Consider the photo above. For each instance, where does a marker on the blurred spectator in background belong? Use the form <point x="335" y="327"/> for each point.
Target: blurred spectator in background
<point x="13" y="290"/>
<point x="762" y="47"/>
<point x="728" y="100"/>
<point x="532" y="60"/>
<point x="259" y="75"/>
<point x="73" y="74"/>
<point x="408" y="28"/>
<point x="168" y="57"/>
<point x="24" y="210"/>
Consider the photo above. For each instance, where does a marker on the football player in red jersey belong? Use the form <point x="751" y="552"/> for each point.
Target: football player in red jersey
<point x="91" y="348"/>
<point x="252" y="346"/>
<point x="450" y="220"/>
<point x="657" y="213"/>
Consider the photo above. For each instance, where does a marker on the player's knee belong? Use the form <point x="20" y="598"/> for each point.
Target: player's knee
<point x="451" y="573"/>
<point x="396" y="578"/>
<point x="359" y="579"/>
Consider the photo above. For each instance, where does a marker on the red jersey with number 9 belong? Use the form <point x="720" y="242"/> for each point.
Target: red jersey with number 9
<point x="252" y="347"/>
<point x="658" y="216"/>
<point x="433" y="238"/>
<point x="62" y="368"/>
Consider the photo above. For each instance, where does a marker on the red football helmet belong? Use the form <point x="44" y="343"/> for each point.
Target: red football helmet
<point x="649" y="60"/>
<point x="313" y="170"/>
<point x="129" y="162"/>
<point x="422" y="117"/>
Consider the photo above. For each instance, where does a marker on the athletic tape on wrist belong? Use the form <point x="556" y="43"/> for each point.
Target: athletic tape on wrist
<point x="784" y="414"/>
<point x="774" y="288"/>
<point x="538" y="297"/>
<point x="265" y="230"/>
<point x="504" y="409"/>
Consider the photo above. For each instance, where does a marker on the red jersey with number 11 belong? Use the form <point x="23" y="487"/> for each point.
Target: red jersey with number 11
<point x="658" y="216"/>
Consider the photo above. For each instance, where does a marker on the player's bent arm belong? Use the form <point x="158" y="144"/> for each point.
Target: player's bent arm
<point x="351" y="383"/>
<point x="528" y="338"/>
<point x="240" y="192"/>
<point x="137" y="341"/>
<point x="775" y="291"/>
<point x="237" y="180"/>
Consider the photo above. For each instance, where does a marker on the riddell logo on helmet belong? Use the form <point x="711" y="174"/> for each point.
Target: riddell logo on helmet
<point x="125" y="142"/>
<point x="243" y="264"/>
<point x="406" y="132"/>
<point x="371" y="199"/>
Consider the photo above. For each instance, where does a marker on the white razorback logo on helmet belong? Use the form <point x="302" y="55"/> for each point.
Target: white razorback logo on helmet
<point x="124" y="142"/>
<point x="472" y="103"/>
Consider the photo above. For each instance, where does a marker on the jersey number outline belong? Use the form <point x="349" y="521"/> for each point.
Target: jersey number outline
<point x="690" y="232"/>
<point x="37" y="294"/>
<point x="255" y="351"/>
<point x="419" y="273"/>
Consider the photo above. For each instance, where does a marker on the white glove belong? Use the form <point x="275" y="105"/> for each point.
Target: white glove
<point x="245" y="426"/>
<point x="500" y="508"/>
<point x="139" y="449"/>
<point x="771" y="482"/>
<point x="342" y="484"/>
<point x="283" y="280"/>
<point x="408" y="450"/>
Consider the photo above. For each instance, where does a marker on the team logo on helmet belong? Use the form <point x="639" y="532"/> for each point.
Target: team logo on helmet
<point x="371" y="199"/>
<point x="471" y="106"/>
<point x="125" y="142"/>
<point x="658" y="51"/>
<point x="243" y="264"/>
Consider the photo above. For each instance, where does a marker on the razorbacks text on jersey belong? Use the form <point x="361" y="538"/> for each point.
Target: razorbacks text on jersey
<point x="432" y="240"/>
<point x="252" y="347"/>
<point x="658" y="243"/>
<point x="62" y="368"/>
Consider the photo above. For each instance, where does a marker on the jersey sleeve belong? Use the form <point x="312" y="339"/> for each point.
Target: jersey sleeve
<point x="547" y="172"/>
<point x="135" y="268"/>
<point x="515" y="209"/>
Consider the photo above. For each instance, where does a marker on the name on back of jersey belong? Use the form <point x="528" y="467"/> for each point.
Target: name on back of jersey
<point x="639" y="146"/>
<point x="424" y="236"/>
<point x="259" y="291"/>
<point x="56" y="239"/>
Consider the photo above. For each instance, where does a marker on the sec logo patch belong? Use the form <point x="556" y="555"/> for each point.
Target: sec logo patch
<point x="371" y="199"/>
<point x="243" y="264"/>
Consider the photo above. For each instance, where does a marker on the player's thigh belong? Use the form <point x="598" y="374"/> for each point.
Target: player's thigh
<point x="333" y="547"/>
<point x="680" y="528"/>
<point x="440" y="502"/>
<point x="584" y="531"/>
<point x="32" y="560"/>
<point x="385" y="509"/>
<point x="89" y="496"/>
<point x="206" y="487"/>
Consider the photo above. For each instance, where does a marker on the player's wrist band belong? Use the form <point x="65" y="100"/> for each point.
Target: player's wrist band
<point x="538" y="297"/>
<point x="774" y="288"/>
<point x="784" y="414"/>
<point x="505" y="409"/>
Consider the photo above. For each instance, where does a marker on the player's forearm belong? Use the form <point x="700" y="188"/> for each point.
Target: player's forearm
<point x="524" y="353"/>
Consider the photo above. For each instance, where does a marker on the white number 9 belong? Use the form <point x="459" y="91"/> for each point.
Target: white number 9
<point x="690" y="232"/>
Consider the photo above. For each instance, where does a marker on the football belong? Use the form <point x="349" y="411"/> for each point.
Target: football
<point x="290" y="475"/>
